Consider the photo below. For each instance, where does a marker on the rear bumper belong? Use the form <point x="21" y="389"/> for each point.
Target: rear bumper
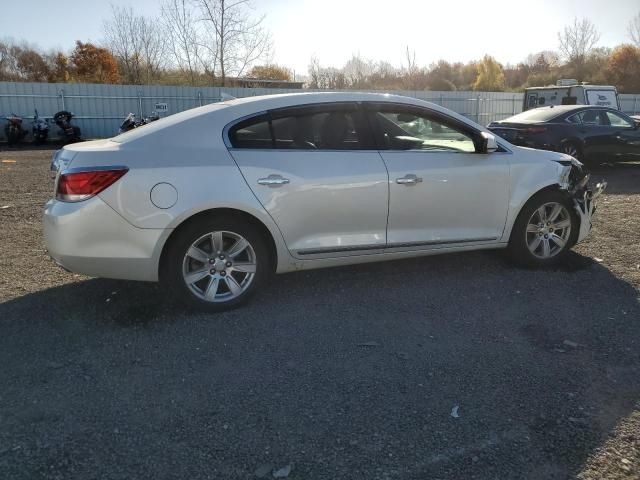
<point x="92" y="239"/>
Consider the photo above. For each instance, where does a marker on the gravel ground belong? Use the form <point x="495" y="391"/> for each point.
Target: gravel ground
<point x="340" y="373"/>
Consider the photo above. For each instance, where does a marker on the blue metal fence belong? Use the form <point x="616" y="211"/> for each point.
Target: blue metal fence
<point x="100" y="109"/>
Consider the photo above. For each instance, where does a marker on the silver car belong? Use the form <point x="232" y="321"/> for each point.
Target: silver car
<point x="214" y="200"/>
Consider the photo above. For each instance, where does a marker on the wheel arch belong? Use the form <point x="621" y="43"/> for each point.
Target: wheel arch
<point x="217" y="213"/>
<point x="555" y="187"/>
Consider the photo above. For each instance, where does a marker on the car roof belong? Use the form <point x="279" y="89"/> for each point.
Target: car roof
<point x="229" y="110"/>
<point x="560" y="109"/>
<point x="301" y="98"/>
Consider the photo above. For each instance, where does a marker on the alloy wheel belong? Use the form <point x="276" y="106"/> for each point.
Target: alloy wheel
<point x="219" y="266"/>
<point x="570" y="149"/>
<point x="548" y="230"/>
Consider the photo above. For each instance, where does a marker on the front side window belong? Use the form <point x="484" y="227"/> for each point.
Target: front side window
<point x="617" y="120"/>
<point x="400" y="130"/>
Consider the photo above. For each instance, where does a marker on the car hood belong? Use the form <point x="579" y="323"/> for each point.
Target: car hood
<point x="543" y="155"/>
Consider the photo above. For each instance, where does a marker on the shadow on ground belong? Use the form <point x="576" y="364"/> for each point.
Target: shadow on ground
<point x="342" y="373"/>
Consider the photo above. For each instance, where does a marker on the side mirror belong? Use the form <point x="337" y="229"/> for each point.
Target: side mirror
<point x="489" y="143"/>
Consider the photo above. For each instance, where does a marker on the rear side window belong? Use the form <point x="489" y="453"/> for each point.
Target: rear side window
<point x="311" y="127"/>
<point x="331" y="127"/>
<point x="575" y="119"/>
<point x="592" y="118"/>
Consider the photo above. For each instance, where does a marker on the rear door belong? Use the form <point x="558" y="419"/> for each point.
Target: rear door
<point x="441" y="192"/>
<point x="315" y="170"/>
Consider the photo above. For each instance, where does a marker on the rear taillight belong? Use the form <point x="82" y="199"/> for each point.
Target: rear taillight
<point x="534" y="130"/>
<point x="76" y="186"/>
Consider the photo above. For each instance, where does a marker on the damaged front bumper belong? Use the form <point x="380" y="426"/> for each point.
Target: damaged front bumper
<point x="575" y="181"/>
<point x="585" y="204"/>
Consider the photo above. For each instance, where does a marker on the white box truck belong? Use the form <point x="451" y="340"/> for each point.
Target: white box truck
<point x="570" y="92"/>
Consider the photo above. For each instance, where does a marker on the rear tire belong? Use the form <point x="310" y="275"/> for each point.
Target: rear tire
<point x="545" y="230"/>
<point x="217" y="263"/>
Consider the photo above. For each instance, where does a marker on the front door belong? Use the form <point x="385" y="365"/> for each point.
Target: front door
<point x="441" y="192"/>
<point x="625" y="137"/>
<point x="316" y="172"/>
<point x="599" y="141"/>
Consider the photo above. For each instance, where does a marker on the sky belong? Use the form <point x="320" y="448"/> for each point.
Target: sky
<point x="334" y="30"/>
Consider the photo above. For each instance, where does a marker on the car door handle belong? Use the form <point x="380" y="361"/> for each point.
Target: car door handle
<point x="273" y="181"/>
<point x="408" y="180"/>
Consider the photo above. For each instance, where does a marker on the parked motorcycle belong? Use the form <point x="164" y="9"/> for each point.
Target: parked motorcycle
<point x="70" y="133"/>
<point x="13" y="129"/>
<point x="39" y="129"/>
<point x="130" y="122"/>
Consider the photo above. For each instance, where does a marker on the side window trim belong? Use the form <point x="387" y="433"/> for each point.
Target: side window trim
<point x="366" y="140"/>
<point x="577" y="116"/>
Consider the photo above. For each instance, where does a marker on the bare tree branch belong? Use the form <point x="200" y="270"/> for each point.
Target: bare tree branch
<point x="577" y="41"/>
<point x="238" y="39"/>
<point x="137" y="42"/>
<point x="634" y="30"/>
<point x="183" y="39"/>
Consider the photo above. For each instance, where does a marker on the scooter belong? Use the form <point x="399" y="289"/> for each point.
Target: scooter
<point x="39" y="129"/>
<point x="70" y="133"/>
<point x="13" y="129"/>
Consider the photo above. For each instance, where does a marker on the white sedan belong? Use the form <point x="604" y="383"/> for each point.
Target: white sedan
<point x="214" y="200"/>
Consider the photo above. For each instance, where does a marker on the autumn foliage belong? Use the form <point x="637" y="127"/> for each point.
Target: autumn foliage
<point x="624" y="68"/>
<point x="92" y="64"/>
<point x="270" y="72"/>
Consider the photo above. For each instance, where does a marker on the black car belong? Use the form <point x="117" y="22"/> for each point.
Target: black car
<point x="586" y="132"/>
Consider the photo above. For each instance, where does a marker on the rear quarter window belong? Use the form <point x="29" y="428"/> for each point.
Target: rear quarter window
<point x="254" y="132"/>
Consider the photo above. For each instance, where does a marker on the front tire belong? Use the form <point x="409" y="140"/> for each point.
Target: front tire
<point x="545" y="230"/>
<point x="217" y="263"/>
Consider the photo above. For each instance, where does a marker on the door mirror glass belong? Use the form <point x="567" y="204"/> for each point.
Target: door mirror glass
<point x="490" y="144"/>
